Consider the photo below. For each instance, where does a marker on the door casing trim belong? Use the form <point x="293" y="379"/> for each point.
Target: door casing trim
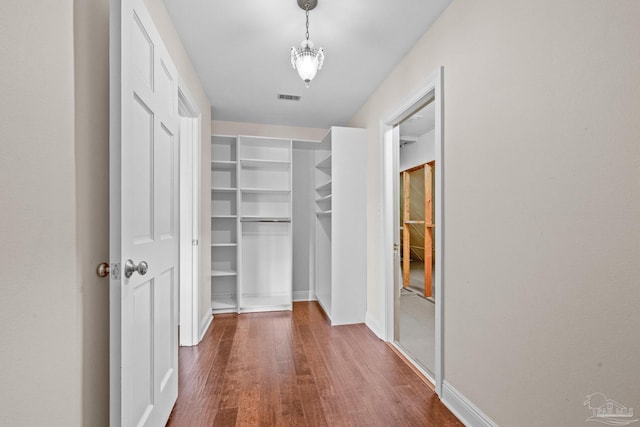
<point x="430" y="90"/>
<point x="190" y="118"/>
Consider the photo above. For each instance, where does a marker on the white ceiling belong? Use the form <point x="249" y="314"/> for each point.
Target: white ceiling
<point x="420" y="123"/>
<point x="241" y="49"/>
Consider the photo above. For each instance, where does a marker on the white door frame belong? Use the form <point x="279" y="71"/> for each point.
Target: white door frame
<point x="190" y="138"/>
<point x="432" y="88"/>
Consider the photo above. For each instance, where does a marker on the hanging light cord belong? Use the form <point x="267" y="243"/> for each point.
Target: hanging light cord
<point x="306" y="9"/>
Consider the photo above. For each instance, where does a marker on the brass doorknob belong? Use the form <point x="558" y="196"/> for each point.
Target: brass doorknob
<point x="103" y="269"/>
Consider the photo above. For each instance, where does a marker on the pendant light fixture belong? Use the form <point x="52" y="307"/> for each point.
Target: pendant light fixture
<point x="306" y="59"/>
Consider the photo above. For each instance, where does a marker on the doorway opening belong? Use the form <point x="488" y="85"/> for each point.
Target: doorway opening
<point x="415" y="314"/>
<point x="189" y="295"/>
<point x="412" y="221"/>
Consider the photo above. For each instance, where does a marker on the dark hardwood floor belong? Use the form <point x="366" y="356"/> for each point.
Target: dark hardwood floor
<point x="293" y="369"/>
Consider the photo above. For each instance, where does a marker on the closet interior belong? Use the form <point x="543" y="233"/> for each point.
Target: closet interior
<point x="252" y="236"/>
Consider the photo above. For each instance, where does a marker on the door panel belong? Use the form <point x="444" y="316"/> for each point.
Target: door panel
<point x="165" y="183"/>
<point x="141" y="189"/>
<point x="164" y="363"/>
<point x="144" y="220"/>
<point x="142" y="52"/>
<point x="143" y="356"/>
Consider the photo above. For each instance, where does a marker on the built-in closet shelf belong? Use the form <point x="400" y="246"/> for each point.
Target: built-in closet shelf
<point x="251" y="198"/>
<point x="223" y="164"/>
<point x="324" y="163"/>
<point x="324" y="187"/>
<point x="340" y="232"/>
<point x="264" y="219"/>
<point x="225" y="241"/>
<point x="265" y="191"/>
<point x="265" y="164"/>
<point x="222" y="273"/>
<point x="264" y="303"/>
<point x="224" y="304"/>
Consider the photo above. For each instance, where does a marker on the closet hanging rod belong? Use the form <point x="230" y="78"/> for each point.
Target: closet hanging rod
<point x="264" y="220"/>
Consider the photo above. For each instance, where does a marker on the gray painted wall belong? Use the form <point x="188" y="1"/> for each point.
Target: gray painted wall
<point x="304" y="161"/>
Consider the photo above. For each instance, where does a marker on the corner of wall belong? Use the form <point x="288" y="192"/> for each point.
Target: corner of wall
<point x="373" y="324"/>
<point x="205" y="322"/>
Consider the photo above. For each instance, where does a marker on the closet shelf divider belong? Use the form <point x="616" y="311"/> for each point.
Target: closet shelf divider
<point x="265" y="190"/>
<point x="223" y="164"/>
<point x="324" y="187"/>
<point x="265" y="164"/>
<point x="324" y="163"/>
<point x="222" y="273"/>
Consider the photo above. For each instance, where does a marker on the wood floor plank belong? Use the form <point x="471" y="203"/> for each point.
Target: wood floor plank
<point x="294" y="369"/>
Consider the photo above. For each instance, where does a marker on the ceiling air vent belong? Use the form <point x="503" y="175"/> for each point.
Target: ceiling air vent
<point x="285" y="97"/>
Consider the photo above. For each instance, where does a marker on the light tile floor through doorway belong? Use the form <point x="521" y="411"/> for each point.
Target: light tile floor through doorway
<point x="416" y="331"/>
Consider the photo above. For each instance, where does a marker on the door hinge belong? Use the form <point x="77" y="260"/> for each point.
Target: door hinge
<point x="115" y="271"/>
<point x="194" y="242"/>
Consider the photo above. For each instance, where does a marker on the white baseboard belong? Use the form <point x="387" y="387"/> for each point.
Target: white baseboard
<point x="303" y="296"/>
<point x="326" y="312"/>
<point x="467" y="412"/>
<point x="204" y="324"/>
<point x="411" y="360"/>
<point x="374" y="326"/>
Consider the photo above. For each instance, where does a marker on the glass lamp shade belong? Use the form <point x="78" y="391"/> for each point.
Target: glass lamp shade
<point x="307" y="60"/>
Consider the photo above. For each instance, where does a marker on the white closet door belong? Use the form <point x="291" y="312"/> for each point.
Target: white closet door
<point x="144" y="229"/>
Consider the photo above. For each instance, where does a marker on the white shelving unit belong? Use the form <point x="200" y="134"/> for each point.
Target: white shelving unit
<point x="251" y="242"/>
<point x="252" y="234"/>
<point x="340" y="238"/>
<point x="264" y="174"/>
<point x="224" y="224"/>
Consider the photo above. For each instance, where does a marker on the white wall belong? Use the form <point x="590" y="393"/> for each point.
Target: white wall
<point x="54" y="188"/>
<point x="219" y="127"/>
<point x="304" y="161"/>
<point x="91" y="46"/>
<point x="40" y="300"/>
<point x="542" y="200"/>
<point x="419" y="152"/>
